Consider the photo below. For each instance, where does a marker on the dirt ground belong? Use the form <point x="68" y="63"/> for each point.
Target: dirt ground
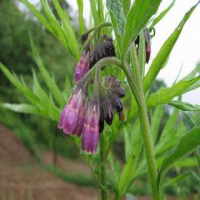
<point x="22" y="178"/>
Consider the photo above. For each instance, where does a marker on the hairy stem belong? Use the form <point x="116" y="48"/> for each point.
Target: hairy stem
<point x="103" y="169"/>
<point x="147" y="138"/>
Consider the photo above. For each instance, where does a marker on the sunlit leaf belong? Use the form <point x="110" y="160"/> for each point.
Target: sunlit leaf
<point x="21" y="108"/>
<point x="81" y="19"/>
<point x="164" y="52"/>
<point x="187" y="144"/>
<point x="137" y="18"/>
<point x="117" y="17"/>
<point x="162" y="15"/>
<point x="47" y="78"/>
<point x="185" y="106"/>
<point x="166" y="95"/>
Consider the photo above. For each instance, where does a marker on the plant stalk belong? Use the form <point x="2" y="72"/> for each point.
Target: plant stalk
<point x="103" y="169"/>
<point x="147" y="138"/>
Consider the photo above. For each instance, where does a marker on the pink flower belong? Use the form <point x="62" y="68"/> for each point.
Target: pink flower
<point x="82" y="66"/>
<point x="72" y="117"/>
<point x="90" y="137"/>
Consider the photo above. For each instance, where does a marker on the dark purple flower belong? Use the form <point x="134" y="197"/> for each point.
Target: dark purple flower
<point x="110" y="100"/>
<point x="72" y="117"/>
<point x="82" y="66"/>
<point x="102" y="50"/>
<point x="148" y="45"/>
<point x="90" y="137"/>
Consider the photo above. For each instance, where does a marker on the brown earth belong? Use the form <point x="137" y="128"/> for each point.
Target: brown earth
<point x="22" y="178"/>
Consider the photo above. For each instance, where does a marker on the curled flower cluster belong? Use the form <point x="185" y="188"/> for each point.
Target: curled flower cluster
<point x="84" y="117"/>
<point x="88" y="59"/>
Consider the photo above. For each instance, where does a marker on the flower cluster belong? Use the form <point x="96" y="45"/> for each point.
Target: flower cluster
<point x="111" y="100"/>
<point x="85" y="117"/>
<point x="88" y="59"/>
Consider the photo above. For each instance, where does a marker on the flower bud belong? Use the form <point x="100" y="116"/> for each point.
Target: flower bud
<point x="82" y="66"/>
<point x="148" y="44"/>
<point x="102" y="50"/>
<point x="72" y="117"/>
<point x="90" y="136"/>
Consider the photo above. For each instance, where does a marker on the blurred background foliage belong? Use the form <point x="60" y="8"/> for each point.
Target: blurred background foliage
<point x="15" y="53"/>
<point x="39" y="134"/>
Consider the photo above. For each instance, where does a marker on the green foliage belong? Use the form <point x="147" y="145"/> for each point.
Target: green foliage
<point x="170" y="138"/>
<point x="163" y="55"/>
<point x="162" y="15"/>
<point x="137" y="19"/>
<point x="81" y="20"/>
<point x="187" y="144"/>
<point x="117" y="17"/>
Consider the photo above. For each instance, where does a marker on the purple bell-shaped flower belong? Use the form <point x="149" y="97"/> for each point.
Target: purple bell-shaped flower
<point x="90" y="137"/>
<point x="73" y="114"/>
<point x="82" y="66"/>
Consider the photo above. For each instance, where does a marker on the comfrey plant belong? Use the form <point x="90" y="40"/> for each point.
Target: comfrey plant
<point x="111" y="59"/>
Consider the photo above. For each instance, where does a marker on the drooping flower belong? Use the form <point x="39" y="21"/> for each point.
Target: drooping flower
<point x="110" y="100"/>
<point x="82" y="66"/>
<point x="102" y="50"/>
<point x="72" y="117"/>
<point x="90" y="137"/>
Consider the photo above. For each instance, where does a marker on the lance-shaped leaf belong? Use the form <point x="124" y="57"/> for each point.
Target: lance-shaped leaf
<point x="137" y="19"/>
<point x="126" y="4"/>
<point x="46" y="104"/>
<point x="68" y="30"/>
<point x="161" y="15"/>
<point x="21" y="108"/>
<point x="185" y="106"/>
<point x="81" y="20"/>
<point x="162" y="56"/>
<point x="165" y="95"/>
<point x="95" y="14"/>
<point x="187" y="144"/>
<point x="43" y="20"/>
<point x="47" y="78"/>
<point x="115" y="9"/>
<point x="20" y="86"/>
<point x="189" y="125"/>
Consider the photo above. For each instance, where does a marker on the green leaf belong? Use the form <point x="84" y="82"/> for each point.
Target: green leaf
<point x="95" y="14"/>
<point x="21" y="108"/>
<point x="68" y="30"/>
<point x="137" y="19"/>
<point x="47" y="78"/>
<point x="46" y="104"/>
<point x="115" y="9"/>
<point x="129" y="169"/>
<point x="126" y="4"/>
<point x="164" y="52"/>
<point x="165" y="95"/>
<point x="21" y="87"/>
<point x="186" y="144"/>
<point x="81" y="20"/>
<point x="185" y="106"/>
<point x="189" y="125"/>
<point x="38" y="15"/>
<point x="193" y="73"/>
<point x="155" y="121"/>
<point x="162" y="14"/>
